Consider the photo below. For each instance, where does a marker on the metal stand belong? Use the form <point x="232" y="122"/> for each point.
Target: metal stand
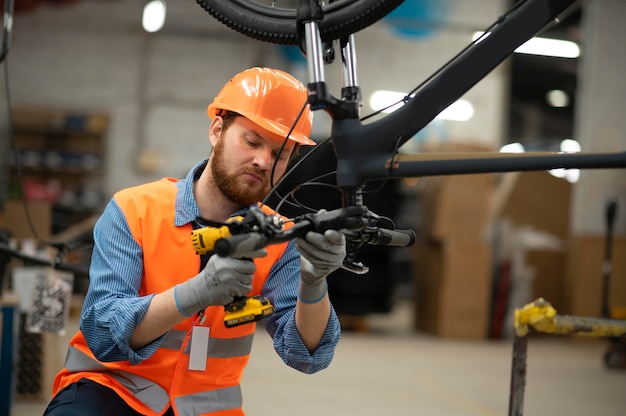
<point x="542" y="317"/>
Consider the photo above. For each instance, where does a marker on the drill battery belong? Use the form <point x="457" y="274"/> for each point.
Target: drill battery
<point x="243" y="310"/>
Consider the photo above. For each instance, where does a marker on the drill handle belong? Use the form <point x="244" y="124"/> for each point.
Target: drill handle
<point x="238" y="303"/>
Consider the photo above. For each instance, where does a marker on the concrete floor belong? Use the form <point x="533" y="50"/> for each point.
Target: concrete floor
<point x="390" y="369"/>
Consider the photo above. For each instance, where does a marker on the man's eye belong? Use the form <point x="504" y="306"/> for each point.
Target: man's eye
<point x="280" y="156"/>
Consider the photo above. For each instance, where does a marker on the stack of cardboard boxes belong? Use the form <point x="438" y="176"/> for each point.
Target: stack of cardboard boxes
<point x="541" y="202"/>
<point x="458" y="262"/>
<point x="571" y="279"/>
<point x="531" y="226"/>
<point x="584" y="276"/>
<point x="453" y="259"/>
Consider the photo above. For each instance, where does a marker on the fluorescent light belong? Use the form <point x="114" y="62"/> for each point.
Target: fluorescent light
<point x="550" y="47"/>
<point x="460" y="110"/>
<point x="382" y="99"/>
<point x="153" y="15"/>
<point x="545" y="46"/>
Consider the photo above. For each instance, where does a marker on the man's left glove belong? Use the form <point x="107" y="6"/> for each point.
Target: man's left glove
<point x="321" y="254"/>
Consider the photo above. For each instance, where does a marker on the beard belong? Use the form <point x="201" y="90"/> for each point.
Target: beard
<point x="241" y="194"/>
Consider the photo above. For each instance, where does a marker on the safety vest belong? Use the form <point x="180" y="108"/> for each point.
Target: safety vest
<point x="164" y="380"/>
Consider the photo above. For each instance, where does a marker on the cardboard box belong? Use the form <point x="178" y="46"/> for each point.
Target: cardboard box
<point x="457" y="206"/>
<point x="534" y="198"/>
<point x="453" y="288"/>
<point x="548" y="276"/>
<point x="584" y="275"/>
<point x="15" y="218"/>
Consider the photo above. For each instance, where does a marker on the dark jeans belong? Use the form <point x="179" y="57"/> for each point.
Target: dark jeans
<point x="86" y="397"/>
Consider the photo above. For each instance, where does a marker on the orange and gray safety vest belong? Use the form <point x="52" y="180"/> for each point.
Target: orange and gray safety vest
<point x="164" y="379"/>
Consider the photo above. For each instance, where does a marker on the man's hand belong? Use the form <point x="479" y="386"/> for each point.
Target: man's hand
<point x="218" y="283"/>
<point x="321" y="254"/>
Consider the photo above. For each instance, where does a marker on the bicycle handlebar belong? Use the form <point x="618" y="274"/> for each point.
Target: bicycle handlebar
<point x="357" y="223"/>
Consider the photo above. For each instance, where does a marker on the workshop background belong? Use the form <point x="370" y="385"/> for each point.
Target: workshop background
<point x="92" y="103"/>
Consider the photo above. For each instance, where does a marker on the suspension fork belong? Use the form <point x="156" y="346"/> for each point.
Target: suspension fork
<point x="309" y="14"/>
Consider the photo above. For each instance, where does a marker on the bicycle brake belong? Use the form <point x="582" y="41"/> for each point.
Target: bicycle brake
<point x="356" y="238"/>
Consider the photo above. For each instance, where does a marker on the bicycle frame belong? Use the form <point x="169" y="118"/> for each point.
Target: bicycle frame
<point x="368" y="151"/>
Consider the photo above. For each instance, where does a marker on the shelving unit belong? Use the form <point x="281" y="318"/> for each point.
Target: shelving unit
<point x="60" y="160"/>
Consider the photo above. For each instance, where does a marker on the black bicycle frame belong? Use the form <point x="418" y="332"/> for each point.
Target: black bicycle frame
<point x="368" y="151"/>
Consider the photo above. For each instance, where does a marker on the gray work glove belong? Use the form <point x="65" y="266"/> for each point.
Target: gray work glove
<point x="321" y="254"/>
<point x="218" y="283"/>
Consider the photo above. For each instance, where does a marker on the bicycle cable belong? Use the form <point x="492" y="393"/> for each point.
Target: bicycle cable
<point x="274" y="190"/>
<point x="282" y="146"/>
<point x="308" y="183"/>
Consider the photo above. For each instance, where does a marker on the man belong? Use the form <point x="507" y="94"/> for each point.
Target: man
<point x="152" y="339"/>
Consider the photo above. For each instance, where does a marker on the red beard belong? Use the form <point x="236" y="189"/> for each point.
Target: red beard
<point x="232" y="185"/>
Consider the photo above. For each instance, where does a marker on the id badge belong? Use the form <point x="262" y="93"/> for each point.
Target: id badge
<point x="199" y="348"/>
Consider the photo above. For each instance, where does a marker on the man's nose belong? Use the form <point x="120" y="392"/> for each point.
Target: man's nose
<point x="263" y="158"/>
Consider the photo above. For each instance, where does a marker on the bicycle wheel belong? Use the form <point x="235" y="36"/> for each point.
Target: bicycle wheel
<point x="263" y="20"/>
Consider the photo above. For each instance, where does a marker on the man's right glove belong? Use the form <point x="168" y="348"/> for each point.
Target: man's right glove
<point x="218" y="283"/>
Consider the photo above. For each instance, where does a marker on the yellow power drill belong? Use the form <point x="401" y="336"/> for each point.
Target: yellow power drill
<point x="242" y="309"/>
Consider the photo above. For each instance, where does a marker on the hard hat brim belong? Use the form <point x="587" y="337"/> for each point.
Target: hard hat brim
<point x="275" y="128"/>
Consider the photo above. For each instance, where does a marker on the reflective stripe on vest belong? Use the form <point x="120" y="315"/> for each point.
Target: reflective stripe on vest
<point x="218" y="347"/>
<point x="151" y="394"/>
<point x="155" y="397"/>
<point x="213" y="401"/>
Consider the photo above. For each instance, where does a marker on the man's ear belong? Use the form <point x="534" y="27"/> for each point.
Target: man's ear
<point x="215" y="130"/>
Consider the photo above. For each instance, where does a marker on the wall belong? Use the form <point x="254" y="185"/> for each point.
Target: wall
<point x="93" y="55"/>
<point x="600" y="123"/>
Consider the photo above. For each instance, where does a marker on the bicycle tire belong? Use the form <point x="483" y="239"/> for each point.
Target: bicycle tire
<point x="278" y="25"/>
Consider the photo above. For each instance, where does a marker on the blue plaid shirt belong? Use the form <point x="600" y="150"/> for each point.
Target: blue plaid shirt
<point x="113" y="307"/>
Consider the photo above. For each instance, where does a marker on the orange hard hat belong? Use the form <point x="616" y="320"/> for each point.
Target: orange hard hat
<point x="271" y="99"/>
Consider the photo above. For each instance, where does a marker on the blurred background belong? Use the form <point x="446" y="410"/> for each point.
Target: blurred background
<point x="93" y="101"/>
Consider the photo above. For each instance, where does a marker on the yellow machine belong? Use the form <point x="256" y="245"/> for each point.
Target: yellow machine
<point x="203" y="239"/>
<point x="243" y="309"/>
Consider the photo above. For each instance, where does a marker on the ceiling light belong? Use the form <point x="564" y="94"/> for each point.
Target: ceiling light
<point x="512" y="148"/>
<point x="153" y="15"/>
<point x="544" y="46"/>
<point x="389" y="101"/>
<point x="570" y="146"/>
<point x="557" y="98"/>
<point x="570" y="175"/>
